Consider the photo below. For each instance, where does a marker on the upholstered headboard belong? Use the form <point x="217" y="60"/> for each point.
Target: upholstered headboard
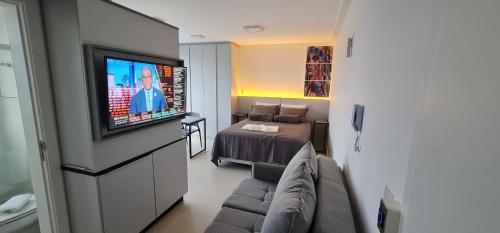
<point x="318" y="109"/>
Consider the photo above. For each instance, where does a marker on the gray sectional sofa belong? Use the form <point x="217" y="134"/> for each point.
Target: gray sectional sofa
<point x="307" y="195"/>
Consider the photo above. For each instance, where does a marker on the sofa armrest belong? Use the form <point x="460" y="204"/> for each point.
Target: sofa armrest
<point x="268" y="172"/>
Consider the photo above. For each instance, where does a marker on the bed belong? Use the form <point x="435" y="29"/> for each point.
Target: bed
<point x="234" y="144"/>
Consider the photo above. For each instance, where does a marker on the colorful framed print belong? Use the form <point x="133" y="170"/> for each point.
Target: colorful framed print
<point x="318" y="71"/>
<point x="316" y="88"/>
<point x="319" y="54"/>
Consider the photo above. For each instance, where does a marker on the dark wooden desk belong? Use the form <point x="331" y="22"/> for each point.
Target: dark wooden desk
<point x="188" y="122"/>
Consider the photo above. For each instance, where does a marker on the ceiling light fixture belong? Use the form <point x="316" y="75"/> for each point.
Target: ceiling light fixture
<point x="197" y="36"/>
<point x="253" y="28"/>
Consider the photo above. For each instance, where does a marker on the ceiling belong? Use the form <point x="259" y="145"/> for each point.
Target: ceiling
<point x="284" y="21"/>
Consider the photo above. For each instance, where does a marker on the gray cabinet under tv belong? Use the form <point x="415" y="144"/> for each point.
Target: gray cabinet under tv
<point x="130" y="196"/>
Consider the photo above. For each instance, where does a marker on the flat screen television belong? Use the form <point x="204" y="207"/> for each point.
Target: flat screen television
<point x="130" y="90"/>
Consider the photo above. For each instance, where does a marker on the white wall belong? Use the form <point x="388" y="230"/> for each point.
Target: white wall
<point x="386" y="74"/>
<point x="262" y="68"/>
<point x="428" y="75"/>
<point x="453" y="184"/>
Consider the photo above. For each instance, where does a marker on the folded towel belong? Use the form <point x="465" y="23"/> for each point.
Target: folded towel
<point x="252" y="127"/>
<point x="263" y="128"/>
<point x="16" y="203"/>
<point x="270" y="128"/>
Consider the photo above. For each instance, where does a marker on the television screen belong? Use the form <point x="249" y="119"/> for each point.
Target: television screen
<point x="140" y="92"/>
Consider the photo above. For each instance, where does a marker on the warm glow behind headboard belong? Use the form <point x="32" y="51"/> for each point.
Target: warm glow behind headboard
<point x="277" y="94"/>
<point x="318" y="108"/>
<point x="274" y="71"/>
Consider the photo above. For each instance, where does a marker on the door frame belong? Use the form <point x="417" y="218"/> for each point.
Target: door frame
<point x="38" y="112"/>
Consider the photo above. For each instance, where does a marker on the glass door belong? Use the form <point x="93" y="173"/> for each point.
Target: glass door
<point x="23" y="196"/>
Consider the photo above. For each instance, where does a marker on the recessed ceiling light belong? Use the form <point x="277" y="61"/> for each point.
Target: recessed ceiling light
<point x="197" y="36"/>
<point x="253" y="28"/>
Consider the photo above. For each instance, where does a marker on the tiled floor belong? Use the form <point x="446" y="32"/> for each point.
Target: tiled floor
<point x="209" y="186"/>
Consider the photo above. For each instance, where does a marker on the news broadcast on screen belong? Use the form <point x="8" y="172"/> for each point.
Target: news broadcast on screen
<point x="140" y="92"/>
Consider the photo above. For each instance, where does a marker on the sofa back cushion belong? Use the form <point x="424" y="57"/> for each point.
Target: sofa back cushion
<point x="333" y="212"/>
<point x="305" y="155"/>
<point x="328" y="169"/>
<point x="292" y="208"/>
<point x="294" y="202"/>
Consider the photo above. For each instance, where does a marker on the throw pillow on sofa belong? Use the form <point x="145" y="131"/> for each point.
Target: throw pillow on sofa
<point x="292" y="209"/>
<point x="294" y="202"/>
<point x="305" y="154"/>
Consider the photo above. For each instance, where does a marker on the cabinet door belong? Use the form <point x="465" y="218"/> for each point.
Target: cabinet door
<point x="210" y="87"/>
<point x="170" y="171"/>
<point x="127" y="197"/>
<point x="196" y="68"/>
<point x="223" y="86"/>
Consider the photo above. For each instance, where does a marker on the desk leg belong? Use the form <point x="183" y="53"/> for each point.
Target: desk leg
<point x="203" y="145"/>
<point x="205" y="134"/>
<point x="190" y="144"/>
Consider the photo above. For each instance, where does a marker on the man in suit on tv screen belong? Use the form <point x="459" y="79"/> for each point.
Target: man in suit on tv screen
<point x="148" y="98"/>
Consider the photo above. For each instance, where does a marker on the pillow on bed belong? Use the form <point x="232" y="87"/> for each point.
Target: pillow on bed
<point x="293" y="105"/>
<point x="266" y="109"/>
<point x="260" y="117"/>
<point x="294" y="111"/>
<point x="290" y="119"/>
<point x="264" y="103"/>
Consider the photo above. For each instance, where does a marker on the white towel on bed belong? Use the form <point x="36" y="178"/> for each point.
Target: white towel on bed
<point x="16" y="203"/>
<point x="263" y="128"/>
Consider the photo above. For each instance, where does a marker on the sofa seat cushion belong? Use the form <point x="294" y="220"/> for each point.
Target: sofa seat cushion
<point x="217" y="227"/>
<point x="258" y="184"/>
<point x="230" y="220"/>
<point x="251" y="192"/>
<point x="294" y="202"/>
<point x="333" y="210"/>
<point x="252" y="195"/>
<point x="249" y="203"/>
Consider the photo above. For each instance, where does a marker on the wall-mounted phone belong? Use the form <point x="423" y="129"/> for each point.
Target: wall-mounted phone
<point x="357" y="123"/>
<point x="357" y="117"/>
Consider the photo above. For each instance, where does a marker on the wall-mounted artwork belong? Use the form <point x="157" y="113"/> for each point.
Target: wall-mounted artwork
<point x="318" y="71"/>
<point x="319" y="54"/>
<point x="314" y="88"/>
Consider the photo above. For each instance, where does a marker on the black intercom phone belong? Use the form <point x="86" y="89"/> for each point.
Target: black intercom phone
<point x="357" y="123"/>
<point x="357" y="117"/>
